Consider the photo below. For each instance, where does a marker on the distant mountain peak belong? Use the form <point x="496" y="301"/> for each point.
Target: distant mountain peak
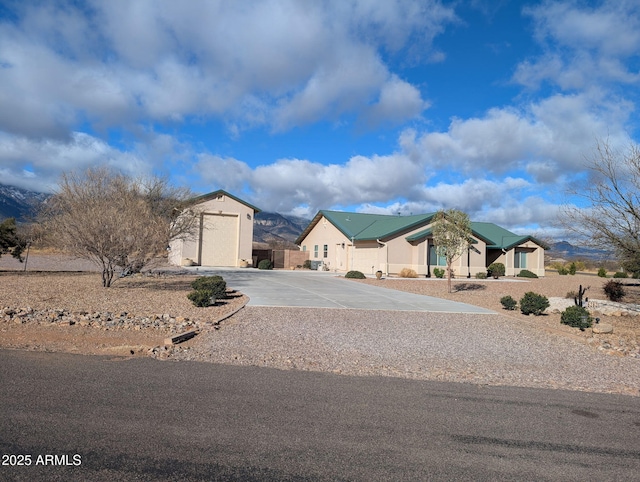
<point x="19" y="203"/>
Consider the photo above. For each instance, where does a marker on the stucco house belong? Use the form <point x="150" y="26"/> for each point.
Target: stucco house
<point x="346" y="241"/>
<point x="224" y="235"/>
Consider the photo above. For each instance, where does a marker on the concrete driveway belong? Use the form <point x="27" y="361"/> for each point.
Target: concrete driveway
<point x="317" y="289"/>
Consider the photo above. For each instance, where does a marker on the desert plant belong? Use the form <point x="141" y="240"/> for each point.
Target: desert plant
<point x="571" y="295"/>
<point x="563" y="271"/>
<point x="306" y="264"/>
<point x="215" y="285"/>
<point x="602" y="272"/>
<point x="614" y="290"/>
<point x="265" y="264"/>
<point x="533" y="303"/>
<point x="525" y="273"/>
<point x="201" y="298"/>
<point x="508" y="303"/>
<point x="620" y="274"/>
<point x="579" y="299"/>
<point x="355" y="275"/>
<point x="407" y="273"/>
<point x="438" y="273"/>
<point x="577" y="317"/>
<point x="116" y="222"/>
<point x="481" y="275"/>
<point x="496" y="270"/>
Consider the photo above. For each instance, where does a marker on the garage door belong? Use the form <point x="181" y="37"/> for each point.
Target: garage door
<point x="219" y="240"/>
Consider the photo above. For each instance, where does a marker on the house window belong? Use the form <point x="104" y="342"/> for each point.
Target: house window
<point x="434" y="259"/>
<point x="520" y="260"/>
<point x="325" y="251"/>
<point x="304" y="247"/>
<point x="315" y="251"/>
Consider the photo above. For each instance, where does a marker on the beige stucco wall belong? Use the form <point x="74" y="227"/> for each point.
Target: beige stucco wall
<point x="391" y="256"/>
<point x="222" y="206"/>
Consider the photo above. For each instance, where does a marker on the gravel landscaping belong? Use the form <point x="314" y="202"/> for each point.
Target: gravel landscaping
<point x="70" y="311"/>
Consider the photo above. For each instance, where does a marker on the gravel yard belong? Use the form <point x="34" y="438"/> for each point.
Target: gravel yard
<point x="504" y="349"/>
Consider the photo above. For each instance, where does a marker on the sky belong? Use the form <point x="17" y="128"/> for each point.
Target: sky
<point x="390" y="107"/>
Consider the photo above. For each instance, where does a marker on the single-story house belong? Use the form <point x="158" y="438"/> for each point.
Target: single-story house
<point x="346" y="241"/>
<point x="224" y="235"/>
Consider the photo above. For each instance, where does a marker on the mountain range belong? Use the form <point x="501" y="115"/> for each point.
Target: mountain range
<point x="270" y="229"/>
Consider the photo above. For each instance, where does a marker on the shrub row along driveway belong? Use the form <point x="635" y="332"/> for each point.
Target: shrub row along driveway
<point x="314" y="289"/>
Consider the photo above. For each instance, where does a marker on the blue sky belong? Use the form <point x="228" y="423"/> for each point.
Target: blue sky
<point x="394" y="106"/>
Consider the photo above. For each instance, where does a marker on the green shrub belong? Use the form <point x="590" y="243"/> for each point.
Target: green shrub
<point x="577" y="317"/>
<point x="602" y="272"/>
<point x="508" y="303"/>
<point x="481" y="275"/>
<point x="496" y="270"/>
<point x="355" y="275"/>
<point x="614" y="290"/>
<point x="563" y="271"/>
<point x="532" y="303"/>
<point x="620" y="274"/>
<point x="572" y="269"/>
<point x="306" y="264"/>
<point x="525" y="273"/>
<point x="266" y="264"/>
<point x="201" y="298"/>
<point x="207" y="289"/>
<point x="439" y="273"/>
<point x="205" y="282"/>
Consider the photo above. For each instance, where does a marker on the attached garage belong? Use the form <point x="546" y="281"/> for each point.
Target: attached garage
<point x="225" y="234"/>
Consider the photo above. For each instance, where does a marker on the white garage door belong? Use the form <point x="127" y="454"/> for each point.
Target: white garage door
<point x="219" y="240"/>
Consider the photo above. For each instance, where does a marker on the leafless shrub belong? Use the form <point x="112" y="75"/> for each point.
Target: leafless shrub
<point x="117" y="222"/>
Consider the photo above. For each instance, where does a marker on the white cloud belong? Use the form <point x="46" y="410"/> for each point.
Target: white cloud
<point x="47" y="159"/>
<point x="583" y="45"/>
<point x="122" y="62"/>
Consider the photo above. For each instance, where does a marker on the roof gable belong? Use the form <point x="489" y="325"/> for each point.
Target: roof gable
<point x="215" y="194"/>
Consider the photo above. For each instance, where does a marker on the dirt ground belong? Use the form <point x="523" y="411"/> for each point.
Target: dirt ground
<point x="56" y="282"/>
<point x="48" y="288"/>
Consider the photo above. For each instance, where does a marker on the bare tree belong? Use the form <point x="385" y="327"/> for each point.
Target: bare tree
<point x="119" y="223"/>
<point x="611" y="217"/>
<point x="451" y="236"/>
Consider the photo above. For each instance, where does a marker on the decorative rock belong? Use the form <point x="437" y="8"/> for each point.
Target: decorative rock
<point x="602" y="328"/>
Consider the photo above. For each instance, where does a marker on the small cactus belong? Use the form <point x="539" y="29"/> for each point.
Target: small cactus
<point x="578" y="300"/>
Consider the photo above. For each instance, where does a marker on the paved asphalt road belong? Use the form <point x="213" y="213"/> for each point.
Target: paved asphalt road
<point x="326" y="290"/>
<point x="143" y="419"/>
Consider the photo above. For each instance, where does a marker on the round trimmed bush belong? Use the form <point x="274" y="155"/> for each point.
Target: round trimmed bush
<point x="481" y="275"/>
<point x="215" y="285"/>
<point x="438" y="273"/>
<point x="525" y="273"/>
<point x="577" y="317"/>
<point x="201" y="298"/>
<point x="620" y="274"/>
<point x="602" y="272"/>
<point x="533" y="303"/>
<point x="496" y="270"/>
<point x="355" y="275"/>
<point x="265" y="264"/>
<point x="407" y="273"/>
<point x="508" y="303"/>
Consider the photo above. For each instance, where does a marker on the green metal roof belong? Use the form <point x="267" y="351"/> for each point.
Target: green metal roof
<point x="369" y="227"/>
<point x="500" y="238"/>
